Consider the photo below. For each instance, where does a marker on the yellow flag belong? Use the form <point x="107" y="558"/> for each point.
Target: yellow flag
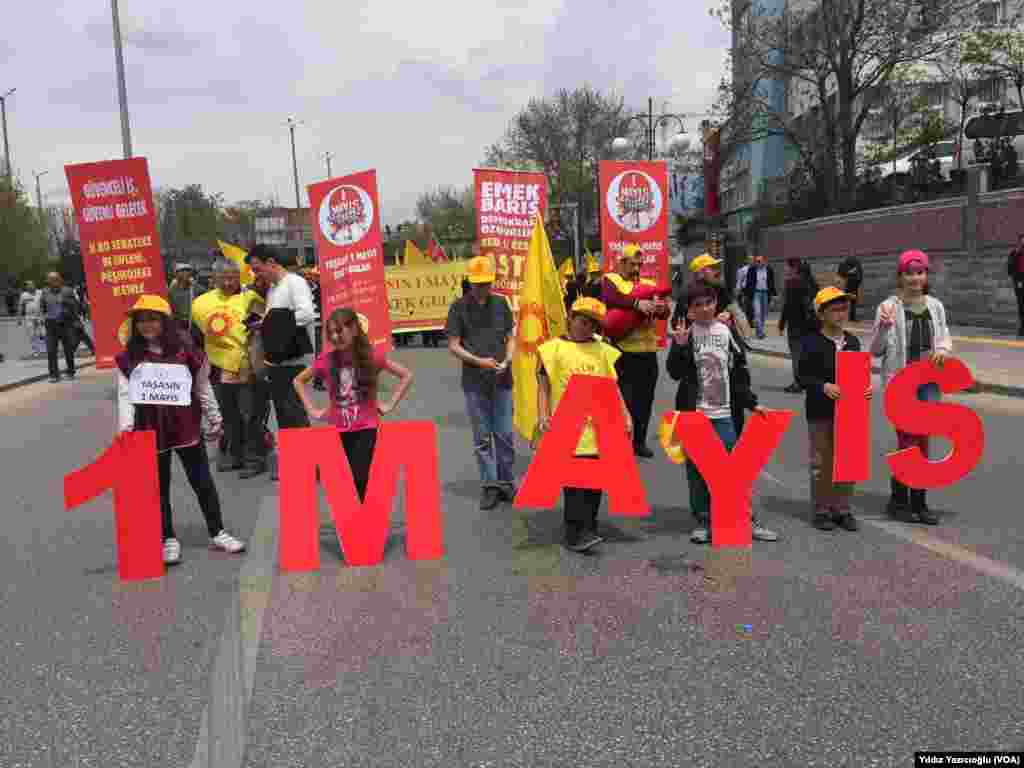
<point x="237" y="255"/>
<point x="592" y="265"/>
<point x="541" y="317"/>
<point x="414" y="257"/>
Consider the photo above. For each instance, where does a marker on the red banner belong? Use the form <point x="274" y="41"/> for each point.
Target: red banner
<point x="506" y="203"/>
<point x="712" y="169"/>
<point x="346" y="219"/>
<point x="634" y="209"/>
<point x="113" y="203"/>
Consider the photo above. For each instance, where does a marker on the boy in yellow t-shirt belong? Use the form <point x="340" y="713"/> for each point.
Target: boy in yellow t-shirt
<point x="581" y="352"/>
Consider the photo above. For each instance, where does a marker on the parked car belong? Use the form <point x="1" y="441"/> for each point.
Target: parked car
<point x="994" y="125"/>
<point x="946" y="152"/>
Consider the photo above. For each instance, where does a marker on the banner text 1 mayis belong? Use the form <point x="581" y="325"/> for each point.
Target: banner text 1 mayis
<point x="346" y="220"/>
<point x="113" y="201"/>
<point x="506" y="204"/>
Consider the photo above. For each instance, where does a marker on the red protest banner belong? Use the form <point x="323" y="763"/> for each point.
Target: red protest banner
<point x="634" y="209"/>
<point x="346" y="219"/>
<point x="506" y="203"/>
<point x="113" y="201"/>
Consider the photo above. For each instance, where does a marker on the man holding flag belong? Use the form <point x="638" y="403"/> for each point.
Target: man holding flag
<point x="480" y="334"/>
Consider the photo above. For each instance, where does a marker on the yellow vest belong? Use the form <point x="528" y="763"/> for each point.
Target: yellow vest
<point x="645" y="337"/>
<point x="221" y="319"/>
<point x="563" y="358"/>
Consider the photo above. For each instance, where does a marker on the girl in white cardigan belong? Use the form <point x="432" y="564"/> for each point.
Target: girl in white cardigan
<point x="909" y="327"/>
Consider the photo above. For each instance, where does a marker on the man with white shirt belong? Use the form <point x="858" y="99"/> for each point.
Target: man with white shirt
<point x="285" y="332"/>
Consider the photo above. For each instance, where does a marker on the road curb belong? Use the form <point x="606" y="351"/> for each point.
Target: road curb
<point x="36" y="379"/>
<point x="981" y="387"/>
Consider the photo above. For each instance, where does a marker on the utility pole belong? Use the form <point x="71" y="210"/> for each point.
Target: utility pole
<point x="122" y="91"/>
<point x="327" y="156"/>
<point x="295" y="165"/>
<point x="7" y="148"/>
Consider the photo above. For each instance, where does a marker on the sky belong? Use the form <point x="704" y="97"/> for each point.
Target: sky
<point x="415" y="90"/>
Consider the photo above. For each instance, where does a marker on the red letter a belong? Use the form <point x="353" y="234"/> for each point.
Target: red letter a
<point x="957" y="423"/>
<point x="554" y="466"/>
<point x="730" y="476"/>
<point x="362" y="528"/>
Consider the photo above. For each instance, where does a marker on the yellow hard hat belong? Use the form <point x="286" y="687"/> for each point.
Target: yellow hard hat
<point x="828" y="295"/>
<point x="703" y="262"/>
<point x="480" y="270"/>
<point x="631" y="250"/>
<point x="591" y="307"/>
<point x="151" y="303"/>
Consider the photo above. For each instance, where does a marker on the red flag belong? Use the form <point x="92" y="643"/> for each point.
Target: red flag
<point x="435" y="252"/>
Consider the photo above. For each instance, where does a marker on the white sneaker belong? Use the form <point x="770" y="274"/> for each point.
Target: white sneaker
<point x="225" y="542"/>
<point x="172" y="551"/>
<point x="760" y="533"/>
<point x="700" y="536"/>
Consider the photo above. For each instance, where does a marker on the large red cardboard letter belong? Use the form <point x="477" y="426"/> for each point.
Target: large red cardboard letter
<point x="957" y="423"/>
<point x="128" y="468"/>
<point x="362" y="527"/>
<point x="852" y="463"/>
<point x="730" y="476"/>
<point x="555" y="467"/>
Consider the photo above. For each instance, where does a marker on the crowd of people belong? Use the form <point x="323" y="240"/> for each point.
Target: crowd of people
<point x="248" y="348"/>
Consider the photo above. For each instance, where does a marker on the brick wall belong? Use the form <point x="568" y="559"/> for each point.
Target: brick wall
<point x="968" y="274"/>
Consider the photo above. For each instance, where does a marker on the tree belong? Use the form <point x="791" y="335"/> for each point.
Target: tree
<point x="23" y="238"/>
<point x="189" y="214"/>
<point x="449" y="212"/>
<point x="1000" y="52"/>
<point x="238" y="221"/>
<point x="565" y="137"/>
<point x="70" y="261"/>
<point x="836" y="52"/>
<point x="957" y="67"/>
<point x="899" y="100"/>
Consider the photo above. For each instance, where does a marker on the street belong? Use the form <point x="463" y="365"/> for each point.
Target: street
<point x="862" y="648"/>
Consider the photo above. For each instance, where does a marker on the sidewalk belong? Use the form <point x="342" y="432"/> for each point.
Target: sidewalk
<point x="995" y="358"/>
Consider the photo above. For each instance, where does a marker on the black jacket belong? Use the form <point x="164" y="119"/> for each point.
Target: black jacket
<point x="751" y="285"/>
<point x="1011" y="266"/>
<point x="851" y="271"/>
<point x="797" y="314"/>
<point x="682" y="367"/>
<point x="817" y="367"/>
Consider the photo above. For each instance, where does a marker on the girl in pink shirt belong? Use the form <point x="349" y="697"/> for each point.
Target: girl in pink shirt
<point x="351" y="368"/>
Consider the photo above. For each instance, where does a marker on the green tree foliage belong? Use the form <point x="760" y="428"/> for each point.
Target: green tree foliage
<point x="446" y="212"/>
<point x="999" y="51"/>
<point x="23" y="240"/>
<point x="189" y="214"/>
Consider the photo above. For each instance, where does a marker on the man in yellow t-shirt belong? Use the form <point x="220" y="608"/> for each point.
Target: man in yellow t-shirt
<point x="638" y="365"/>
<point x="581" y="352"/>
<point x="220" y="316"/>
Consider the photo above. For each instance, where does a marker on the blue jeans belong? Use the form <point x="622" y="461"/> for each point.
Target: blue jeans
<point x="760" y="311"/>
<point x="700" y="496"/>
<point x="491" y="416"/>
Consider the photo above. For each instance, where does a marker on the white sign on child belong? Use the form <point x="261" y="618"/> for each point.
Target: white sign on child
<point x="161" y="384"/>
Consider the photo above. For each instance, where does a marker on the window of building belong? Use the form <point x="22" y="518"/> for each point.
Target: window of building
<point x="989" y="13"/>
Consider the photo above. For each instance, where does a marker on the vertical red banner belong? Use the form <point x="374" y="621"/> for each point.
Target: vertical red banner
<point x="634" y="209"/>
<point x="346" y="220"/>
<point x="506" y="203"/>
<point x="113" y="203"/>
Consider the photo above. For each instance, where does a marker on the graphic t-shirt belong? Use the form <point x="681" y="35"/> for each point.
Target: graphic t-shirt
<point x="712" y="350"/>
<point x="349" y="411"/>
<point x="562" y="358"/>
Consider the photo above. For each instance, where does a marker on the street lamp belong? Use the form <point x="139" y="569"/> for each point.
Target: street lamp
<point x="292" y="122"/>
<point x="7" y="149"/>
<point x="651" y="123"/>
<point x="327" y="157"/>
<point x="122" y="91"/>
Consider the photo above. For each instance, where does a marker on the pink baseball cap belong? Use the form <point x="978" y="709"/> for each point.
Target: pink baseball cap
<point x="909" y="258"/>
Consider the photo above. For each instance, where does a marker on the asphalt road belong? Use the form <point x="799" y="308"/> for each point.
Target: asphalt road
<point x="864" y="647"/>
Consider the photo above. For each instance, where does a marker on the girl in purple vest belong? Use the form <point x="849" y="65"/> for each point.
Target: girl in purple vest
<point x="155" y="338"/>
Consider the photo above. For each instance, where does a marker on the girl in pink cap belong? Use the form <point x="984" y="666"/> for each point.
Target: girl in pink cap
<point x="911" y="326"/>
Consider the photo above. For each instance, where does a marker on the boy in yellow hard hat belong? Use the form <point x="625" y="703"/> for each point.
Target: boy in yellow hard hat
<point x="580" y="352"/>
<point x="817" y="369"/>
<point x="480" y="334"/>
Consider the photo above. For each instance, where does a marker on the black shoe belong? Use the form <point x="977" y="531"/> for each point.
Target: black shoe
<point x="847" y="521"/>
<point x="252" y="470"/>
<point x="794" y="389"/>
<point x="643" y="452"/>
<point x="899" y="502"/>
<point x="823" y="521"/>
<point x="229" y="465"/>
<point x="489" y="498"/>
<point x="585" y="541"/>
<point x="919" y="508"/>
<point x="55" y="379"/>
<point x="507" y="492"/>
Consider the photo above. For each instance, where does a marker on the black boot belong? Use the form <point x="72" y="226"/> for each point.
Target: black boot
<point x="919" y="507"/>
<point x="899" y="502"/>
